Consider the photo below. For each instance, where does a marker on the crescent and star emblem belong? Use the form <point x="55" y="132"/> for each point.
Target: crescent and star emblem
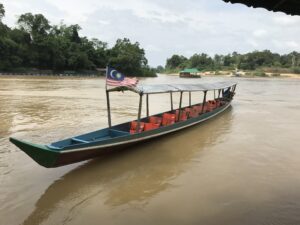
<point x="112" y="74"/>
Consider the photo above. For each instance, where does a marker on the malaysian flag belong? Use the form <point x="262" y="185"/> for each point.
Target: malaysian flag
<point x="115" y="78"/>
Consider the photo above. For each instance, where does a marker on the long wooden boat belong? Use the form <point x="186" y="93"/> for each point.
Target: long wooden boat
<point x="99" y="142"/>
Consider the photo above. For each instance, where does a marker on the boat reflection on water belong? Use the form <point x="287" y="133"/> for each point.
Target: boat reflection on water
<point x="134" y="176"/>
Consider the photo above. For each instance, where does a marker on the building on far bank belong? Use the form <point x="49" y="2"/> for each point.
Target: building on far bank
<point x="190" y="73"/>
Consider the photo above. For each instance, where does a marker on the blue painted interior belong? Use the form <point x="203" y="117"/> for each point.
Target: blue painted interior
<point x="120" y="130"/>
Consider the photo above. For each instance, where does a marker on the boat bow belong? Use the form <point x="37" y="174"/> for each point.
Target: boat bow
<point x="39" y="153"/>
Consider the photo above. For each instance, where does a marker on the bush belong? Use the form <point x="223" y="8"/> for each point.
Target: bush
<point x="296" y="70"/>
<point x="148" y="72"/>
<point x="259" y="74"/>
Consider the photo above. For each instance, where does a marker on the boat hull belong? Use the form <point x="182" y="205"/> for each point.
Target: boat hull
<point x="48" y="157"/>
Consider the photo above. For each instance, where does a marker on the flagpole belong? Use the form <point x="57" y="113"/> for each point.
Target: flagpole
<point x="107" y="99"/>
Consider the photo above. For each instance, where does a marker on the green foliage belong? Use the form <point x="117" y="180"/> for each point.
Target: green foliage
<point x="176" y="61"/>
<point x="34" y="24"/>
<point x="296" y="70"/>
<point x="129" y="58"/>
<point x="2" y="11"/>
<point x="259" y="74"/>
<point x="159" y="69"/>
<point x="201" y="61"/>
<point x="36" y="44"/>
<point x="257" y="60"/>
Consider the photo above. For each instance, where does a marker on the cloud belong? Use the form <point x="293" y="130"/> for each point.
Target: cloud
<point x="171" y="27"/>
<point x="253" y="43"/>
<point x="286" y="20"/>
<point x="292" y="44"/>
<point x="260" y="33"/>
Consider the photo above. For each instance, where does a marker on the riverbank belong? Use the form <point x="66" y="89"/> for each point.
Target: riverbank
<point x="245" y="74"/>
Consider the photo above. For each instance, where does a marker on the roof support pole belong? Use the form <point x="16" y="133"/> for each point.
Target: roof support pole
<point x="108" y="109"/>
<point x="234" y="88"/>
<point x="190" y="99"/>
<point x="139" y="114"/>
<point x="171" y="96"/>
<point x="219" y="92"/>
<point x="214" y="94"/>
<point x="232" y="91"/>
<point x="147" y="104"/>
<point x="204" y="100"/>
<point x="180" y="104"/>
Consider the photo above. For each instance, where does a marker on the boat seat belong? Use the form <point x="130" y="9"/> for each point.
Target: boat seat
<point x="197" y="108"/>
<point x="155" y="120"/>
<point x="79" y="140"/>
<point x="183" y="115"/>
<point x="168" y="119"/>
<point x="151" y="126"/>
<point x="54" y="147"/>
<point x="213" y="104"/>
<point x="133" y="126"/>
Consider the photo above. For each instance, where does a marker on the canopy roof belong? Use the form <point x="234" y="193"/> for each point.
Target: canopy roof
<point x="164" y="88"/>
<point x="192" y="70"/>
<point x="291" y="7"/>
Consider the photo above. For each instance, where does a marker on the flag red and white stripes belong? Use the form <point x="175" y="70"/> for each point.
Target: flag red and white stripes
<point x="127" y="82"/>
<point x="115" y="78"/>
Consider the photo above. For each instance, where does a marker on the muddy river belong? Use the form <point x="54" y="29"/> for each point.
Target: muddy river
<point x="241" y="167"/>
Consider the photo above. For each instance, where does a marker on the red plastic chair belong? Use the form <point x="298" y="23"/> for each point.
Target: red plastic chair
<point x="197" y="108"/>
<point x="133" y="127"/>
<point x="168" y="119"/>
<point x="155" y="120"/>
<point x="151" y="126"/>
<point x="183" y="115"/>
<point x="194" y="113"/>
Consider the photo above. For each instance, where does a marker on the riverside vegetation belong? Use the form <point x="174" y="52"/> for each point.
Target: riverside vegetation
<point x="36" y="45"/>
<point x="256" y="63"/>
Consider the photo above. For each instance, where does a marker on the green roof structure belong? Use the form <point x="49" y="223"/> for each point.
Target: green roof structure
<point x="191" y="70"/>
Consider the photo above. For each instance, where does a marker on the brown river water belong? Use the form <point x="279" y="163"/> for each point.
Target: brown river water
<point x="242" y="167"/>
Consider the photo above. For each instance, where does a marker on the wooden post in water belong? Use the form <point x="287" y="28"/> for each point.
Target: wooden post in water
<point x="180" y="104"/>
<point x="204" y="100"/>
<point x="139" y="114"/>
<point x="171" y="96"/>
<point x="108" y="108"/>
<point x="190" y="99"/>
<point x="147" y="104"/>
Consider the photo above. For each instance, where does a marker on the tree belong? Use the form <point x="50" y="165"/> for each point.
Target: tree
<point x="201" y="61"/>
<point x="159" y="69"/>
<point x="2" y="11"/>
<point x="128" y="58"/>
<point x="176" y="61"/>
<point x="35" y="25"/>
<point x="100" y="56"/>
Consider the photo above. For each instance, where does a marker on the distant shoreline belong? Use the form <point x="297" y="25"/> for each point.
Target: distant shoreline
<point x="58" y="75"/>
<point x="225" y="74"/>
<point x="41" y="74"/>
<point x="243" y="74"/>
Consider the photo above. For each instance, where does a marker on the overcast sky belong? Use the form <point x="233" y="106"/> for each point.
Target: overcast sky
<point x="167" y="27"/>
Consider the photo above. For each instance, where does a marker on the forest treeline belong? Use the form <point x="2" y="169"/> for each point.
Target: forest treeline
<point x="256" y="60"/>
<point x="35" y="44"/>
